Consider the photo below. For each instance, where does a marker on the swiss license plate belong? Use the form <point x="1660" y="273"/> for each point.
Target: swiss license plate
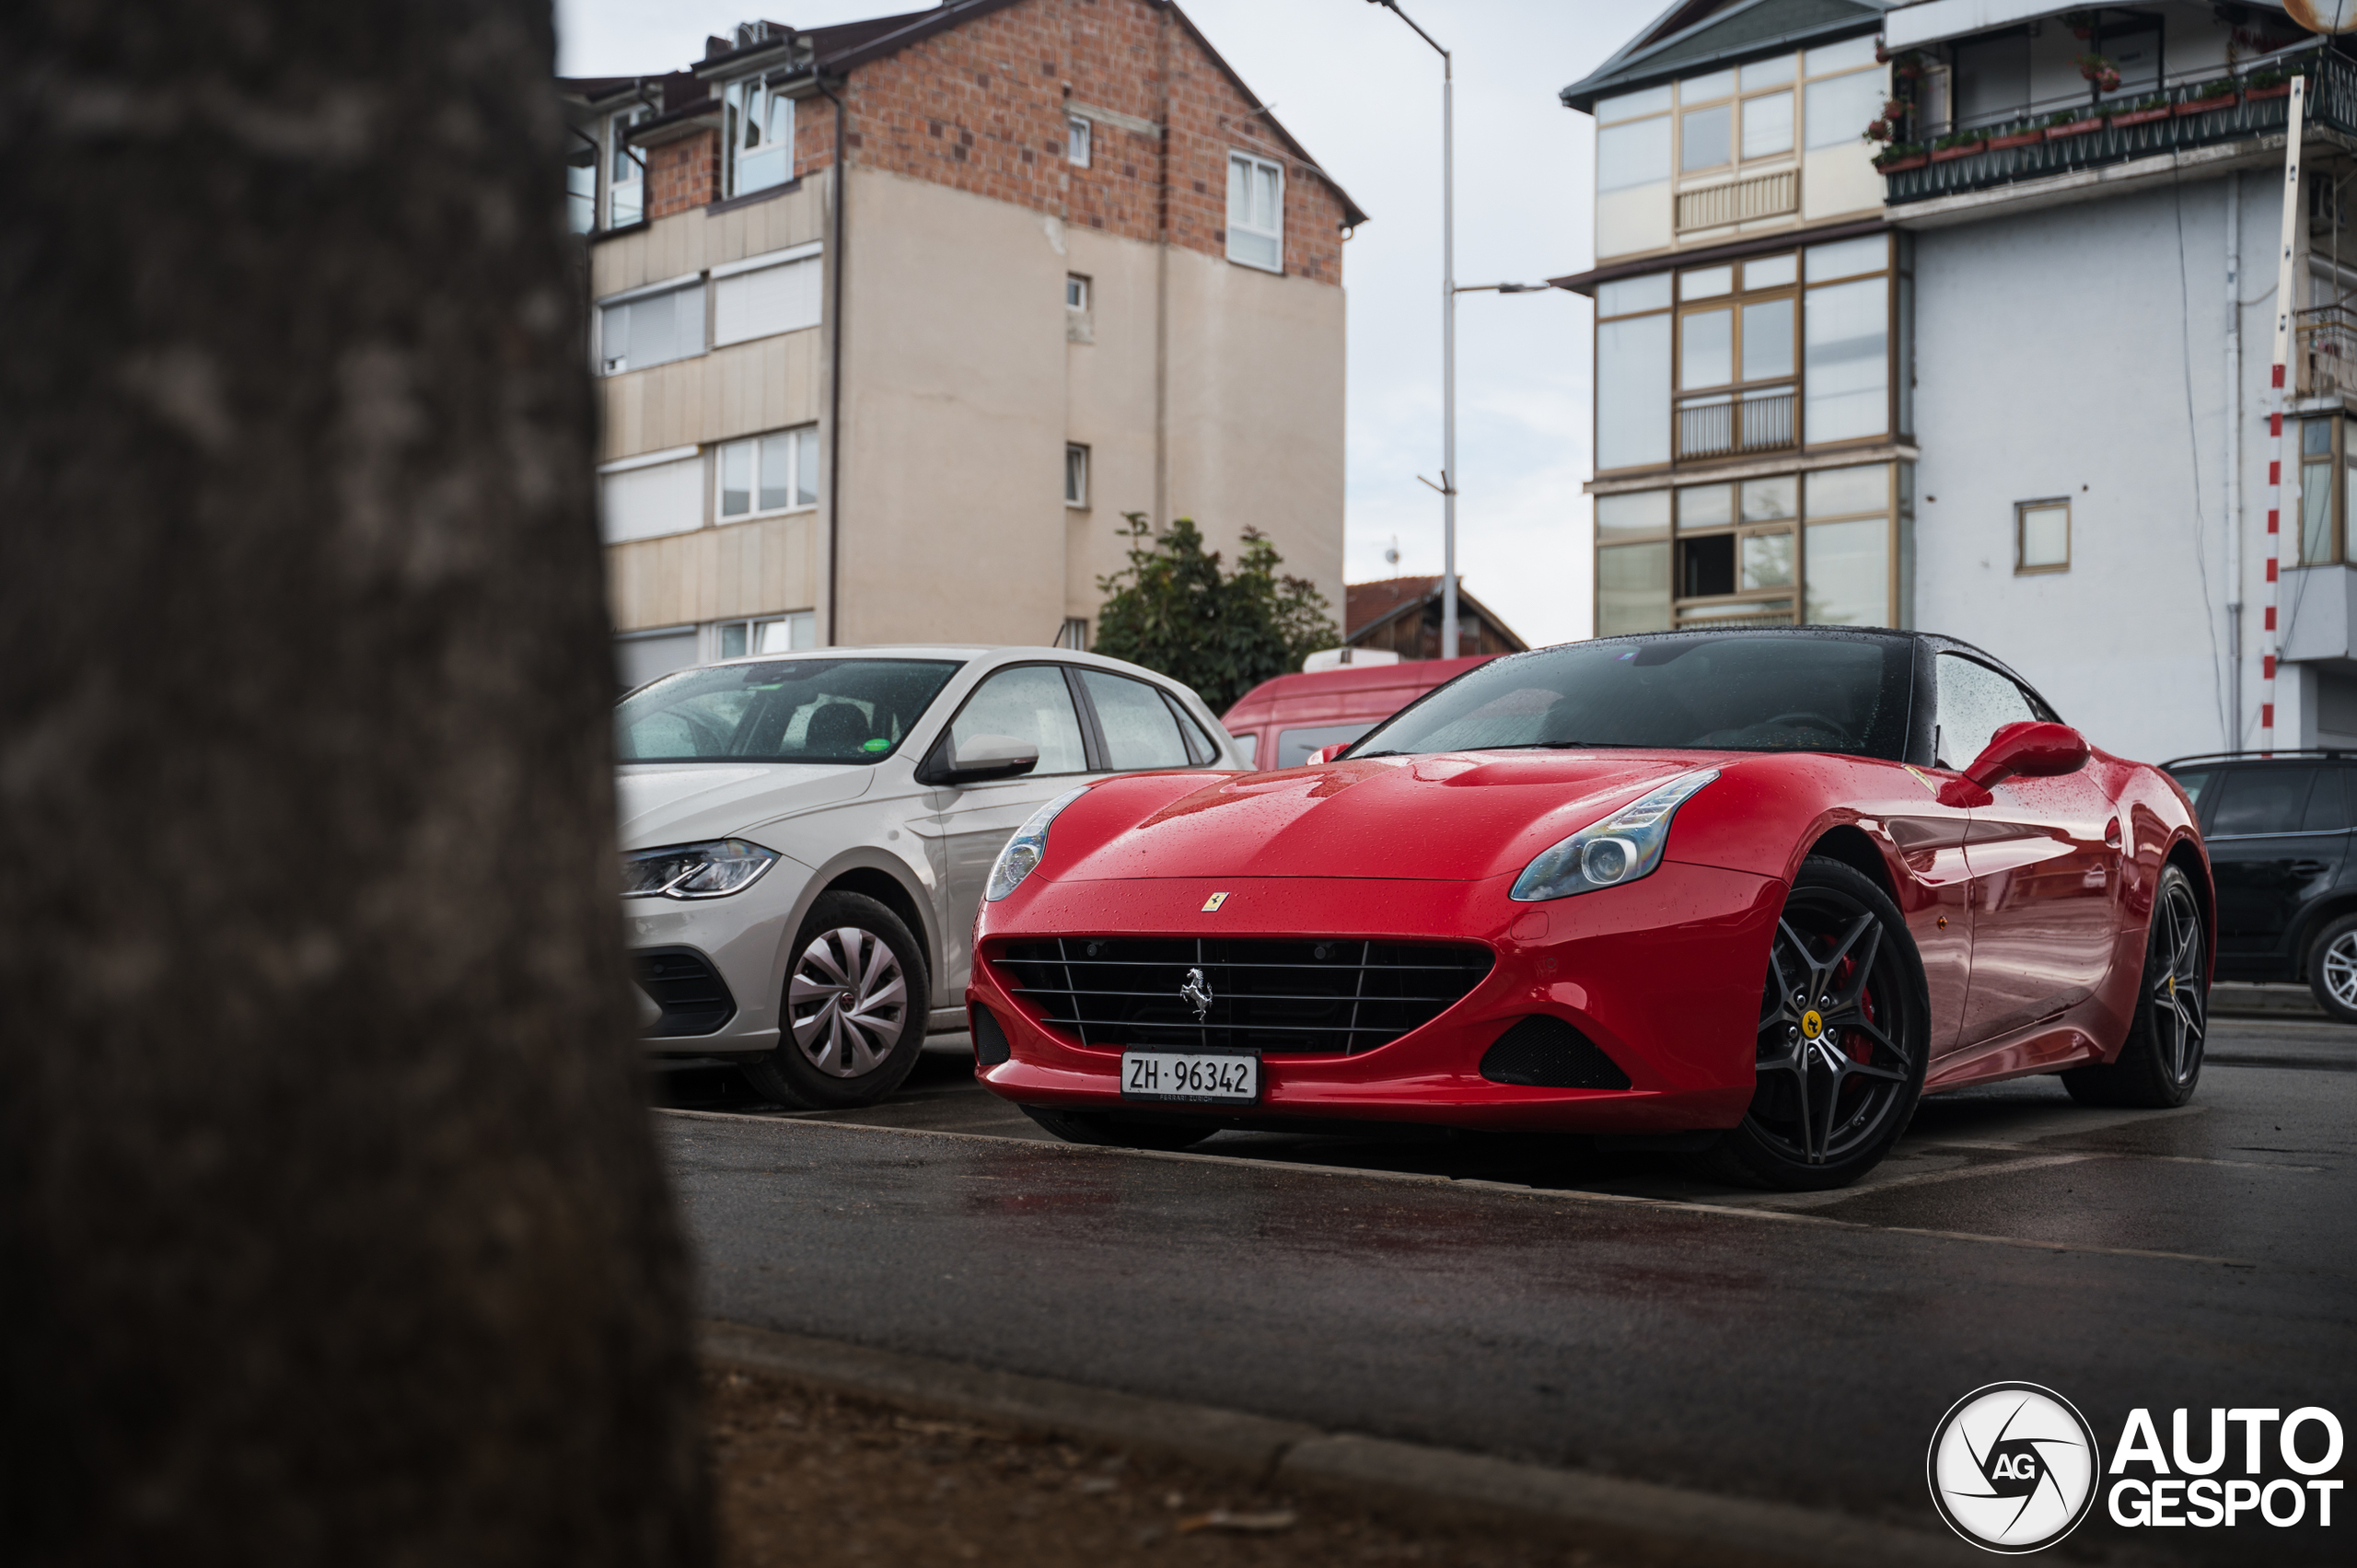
<point x="1214" y="1076"/>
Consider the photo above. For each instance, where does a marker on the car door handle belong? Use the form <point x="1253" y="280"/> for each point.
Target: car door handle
<point x="2309" y="867"/>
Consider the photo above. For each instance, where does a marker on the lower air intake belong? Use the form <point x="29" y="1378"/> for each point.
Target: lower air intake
<point x="1548" y="1054"/>
<point x="694" y="999"/>
<point x="990" y="1046"/>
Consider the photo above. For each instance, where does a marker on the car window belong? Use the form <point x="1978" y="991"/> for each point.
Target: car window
<point x="849" y="709"/>
<point x="2327" y="802"/>
<point x="1975" y="704"/>
<point x="1139" y="730"/>
<point x="1030" y="702"/>
<point x="1248" y="743"/>
<point x="2193" y="782"/>
<point x="2262" y="800"/>
<point x="1294" y="746"/>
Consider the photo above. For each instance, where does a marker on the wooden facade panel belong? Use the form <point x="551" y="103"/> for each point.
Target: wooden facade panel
<point x="739" y="390"/>
<point x="758" y="568"/>
<point x="697" y="240"/>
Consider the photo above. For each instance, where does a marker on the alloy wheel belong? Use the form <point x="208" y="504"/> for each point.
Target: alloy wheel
<point x="847" y="1000"/>
<point x="2340" y="968"/>
<point x="2178" y="1013"/>
<point x="1831" y="1063"/>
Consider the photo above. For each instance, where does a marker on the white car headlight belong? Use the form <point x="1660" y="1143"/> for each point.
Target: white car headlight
<point x="1022" y="853"/>
<point x="1624" y="847"/>
<point x="710" y="870"/>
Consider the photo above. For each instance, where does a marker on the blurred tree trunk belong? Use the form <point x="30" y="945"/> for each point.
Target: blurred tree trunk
<point x="330" y="1226"/>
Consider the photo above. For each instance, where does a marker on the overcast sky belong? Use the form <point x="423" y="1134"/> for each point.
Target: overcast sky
<point x="1363" y="94"/>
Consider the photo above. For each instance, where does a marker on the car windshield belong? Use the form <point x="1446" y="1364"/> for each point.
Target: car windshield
<point x="1759" y="692"/>
<point x="836" y="710"/>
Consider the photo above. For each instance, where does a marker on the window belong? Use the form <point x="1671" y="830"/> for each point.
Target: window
<point x="1077" y="136"/>
<point x="580" y="183"/>
<point x="763" y="299"/>
<point x="1633" y="563"/>
<point x="1846" y="345"/>
<point x="643" y="497"/>
<point x="625" y="175"/>
<point x="756" y="129"/>
<point x="1075" y="291"/>
<point x="2042" y="536"/>
<point x="1027" y="701"/>
<point x="1846" y="546"/>
<point x="1835" y="110"/>
<point x="1256" y="212"/>
<point x="770" y="634"/>
<point x="2262" y="800"/>
<point x="1632" y="372"/>
<point x="653" y="326"/>
<point x="1076" y="475"/>
<point x="1736" y="351"/>
<point x="2324" y="504"/>
<point x="1139" y="728"/>
<point x="768" y="474"/>
<point x="1074" y="633"/>
<point x="1737" y="554"/>
<point x="1975" y="703"/>
<point x="830" y="710"/>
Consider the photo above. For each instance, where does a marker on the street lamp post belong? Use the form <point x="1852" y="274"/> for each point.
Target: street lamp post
<point x="1448" y="648"/>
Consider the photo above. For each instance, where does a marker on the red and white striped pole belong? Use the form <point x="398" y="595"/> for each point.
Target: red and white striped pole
<point x="2285" y="285"/>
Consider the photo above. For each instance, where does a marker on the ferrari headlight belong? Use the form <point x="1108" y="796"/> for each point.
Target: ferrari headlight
<point x="1624" y="847"/>
<point x="1021" y="856"/>
<point x="710" y="870"/>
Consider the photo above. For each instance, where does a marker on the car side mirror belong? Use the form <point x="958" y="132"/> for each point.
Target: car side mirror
<point x="981" y="758"/>
<point x="1326" y="753"/>
<point x="2028" y="749"/>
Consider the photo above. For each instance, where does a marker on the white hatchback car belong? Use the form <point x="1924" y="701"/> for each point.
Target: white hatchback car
<point x="805" y="837"/>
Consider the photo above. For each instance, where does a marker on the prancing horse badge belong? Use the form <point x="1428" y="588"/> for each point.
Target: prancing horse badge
<point x="1213" y="902"/>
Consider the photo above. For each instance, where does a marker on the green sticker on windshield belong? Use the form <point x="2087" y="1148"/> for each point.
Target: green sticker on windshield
<point x="879" y="744"/>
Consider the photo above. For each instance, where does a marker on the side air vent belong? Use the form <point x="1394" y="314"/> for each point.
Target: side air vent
<point x="693" y="997"/>
<point x="1548" y="1054"/>
<point x="990" y="1046"/>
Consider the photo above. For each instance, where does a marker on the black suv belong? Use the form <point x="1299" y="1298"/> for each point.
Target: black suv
<point x="2278" y="831"/>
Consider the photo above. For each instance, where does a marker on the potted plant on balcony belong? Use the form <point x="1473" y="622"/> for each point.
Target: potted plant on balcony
<point x="2218" y="94"/>
<point x="2140" y="111"/>
<point x="2265" y="84"/>
<point x="1958" y="144"/>
<point x="2068" y="124"/>
<point x="2100" y="70"/>
<point x="1900" y="156"/>
<point x="2019" y="135"/>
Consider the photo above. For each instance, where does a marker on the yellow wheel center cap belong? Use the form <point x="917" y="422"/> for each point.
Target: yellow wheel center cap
<point x="1812" y="1024"/>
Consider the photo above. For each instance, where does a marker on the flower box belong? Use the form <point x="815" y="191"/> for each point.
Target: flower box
<point x="2018" y="139"/>
<point x="2142" y="116"/>
<point x="2204" y="105"/>
<point x="1966" y="150"/>
<point x="2076" y="127"/>
<point x="2281" y="89"/>
<point x="1901" y="164"/>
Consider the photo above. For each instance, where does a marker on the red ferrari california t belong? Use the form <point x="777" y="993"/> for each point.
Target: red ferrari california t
<point x="1760" y="888"/>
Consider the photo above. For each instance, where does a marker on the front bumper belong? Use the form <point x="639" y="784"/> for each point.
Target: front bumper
<point x="743" y="937"/>
<point x="1663" y="975"/>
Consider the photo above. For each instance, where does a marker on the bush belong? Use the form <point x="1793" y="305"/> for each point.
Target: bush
<point x="1172" y="610"/>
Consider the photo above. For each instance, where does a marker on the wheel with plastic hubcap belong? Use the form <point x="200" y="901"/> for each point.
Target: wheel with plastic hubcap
<point x="854" y="1008"/>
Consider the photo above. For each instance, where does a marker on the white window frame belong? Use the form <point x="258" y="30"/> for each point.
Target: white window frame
<point x="615" y="153"/>
<point x="808" y="251"/>
<point x="1076" y="495"/>
<point x="720" y="450"/>
<point x="714" y="631"/>
<point x="1076" y="283"/>
<point x="646" y="291"/>
<point x="1080" y="134"/>
<point x="1254" y="161"/>
<point x="737" y="98"/>
<point x="663" y="458"/>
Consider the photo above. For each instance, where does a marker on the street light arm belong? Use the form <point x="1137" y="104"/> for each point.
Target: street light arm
<point x="1393" y="6"/>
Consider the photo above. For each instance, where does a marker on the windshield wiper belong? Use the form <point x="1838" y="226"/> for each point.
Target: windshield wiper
<point x="1570" y="746"/>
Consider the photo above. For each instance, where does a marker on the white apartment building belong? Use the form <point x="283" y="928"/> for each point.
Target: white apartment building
<point x="2009" y="380"/>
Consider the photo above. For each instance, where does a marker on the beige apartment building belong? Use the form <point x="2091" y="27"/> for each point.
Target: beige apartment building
<point x="1067" y="267"/>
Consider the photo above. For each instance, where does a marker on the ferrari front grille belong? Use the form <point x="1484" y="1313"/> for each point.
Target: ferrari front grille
<point x="1330" y="998"/>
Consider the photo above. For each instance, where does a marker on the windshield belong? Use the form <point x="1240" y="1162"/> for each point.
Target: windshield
<point x="1761" y="691"/>
<point x="846" y="710"/>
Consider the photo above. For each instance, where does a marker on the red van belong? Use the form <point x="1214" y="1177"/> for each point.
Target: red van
<point x="1279" y="723"/>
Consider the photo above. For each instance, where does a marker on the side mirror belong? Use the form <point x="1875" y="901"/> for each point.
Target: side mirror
<point x="1326" y="754"/>
<point x="2031" y="749"/>
<point x="981" y="758"/>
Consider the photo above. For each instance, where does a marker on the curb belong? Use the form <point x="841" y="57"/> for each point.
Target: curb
<point x="1652" y="1522"/>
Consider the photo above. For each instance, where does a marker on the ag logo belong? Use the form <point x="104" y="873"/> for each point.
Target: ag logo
<point x="2013" y="1467"/>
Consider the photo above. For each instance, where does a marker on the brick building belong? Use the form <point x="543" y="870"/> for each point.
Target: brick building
<point x="1078" y="270"/>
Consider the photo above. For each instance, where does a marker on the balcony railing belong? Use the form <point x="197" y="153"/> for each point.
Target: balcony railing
<point x="1758" y="423"/>
<point x="2328" y="357"/>
<point x="2189" y="117"/>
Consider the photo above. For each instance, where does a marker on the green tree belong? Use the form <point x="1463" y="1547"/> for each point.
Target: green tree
<point x="1172" y="610"/>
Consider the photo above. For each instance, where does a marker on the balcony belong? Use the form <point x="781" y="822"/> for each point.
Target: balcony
<point x="2183" y="114"/>
<point x="1726" y="427"/>
<point x="2328" y="356"/>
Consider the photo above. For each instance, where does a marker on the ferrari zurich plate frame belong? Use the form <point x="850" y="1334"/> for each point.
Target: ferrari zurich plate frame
<point x="1753" y="891"/>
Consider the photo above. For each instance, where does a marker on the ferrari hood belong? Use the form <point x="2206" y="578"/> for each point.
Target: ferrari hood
<point x="657" y="804"/>
<point x="1452" y="817"/>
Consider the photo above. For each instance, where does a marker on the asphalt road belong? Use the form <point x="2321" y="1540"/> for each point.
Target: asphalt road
<point x="1620" y="1313"/>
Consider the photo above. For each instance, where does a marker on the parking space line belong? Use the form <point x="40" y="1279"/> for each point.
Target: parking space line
<point x="2133" y="1155"/>
<point x="1569" y="1194"/>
